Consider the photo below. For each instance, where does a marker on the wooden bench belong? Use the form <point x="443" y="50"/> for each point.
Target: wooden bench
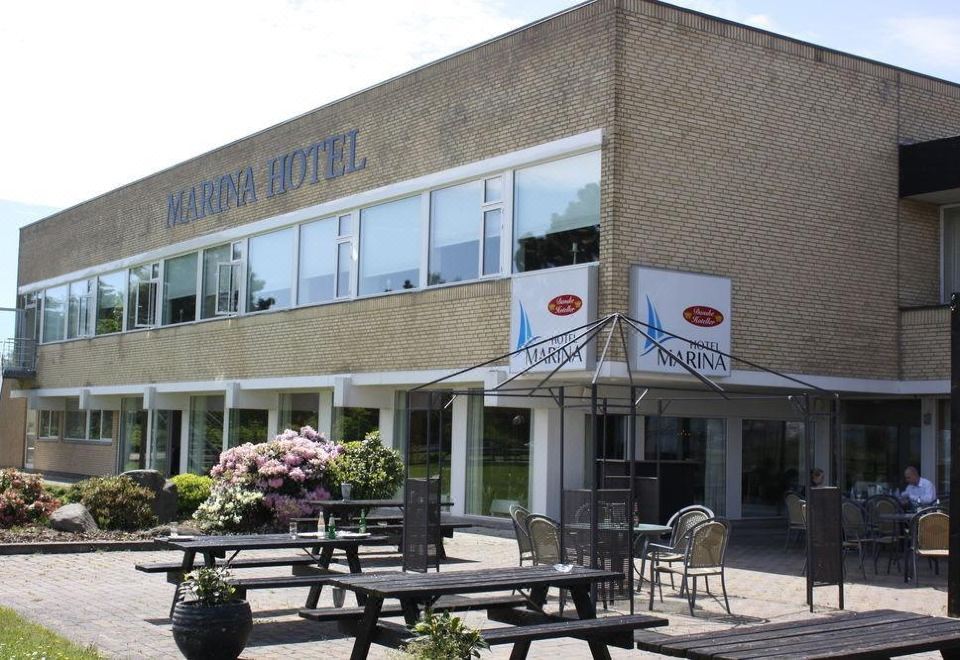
<point x="174" y="570"/>
<point x="610" y="630"/>
<point x="242" y="585"/>
<point x="874" y="634"/>
<point x="443" y="604"/>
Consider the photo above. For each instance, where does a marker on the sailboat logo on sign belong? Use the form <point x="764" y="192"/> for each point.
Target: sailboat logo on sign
<point x="699" y="354"/>
<point x="549" y="353"/>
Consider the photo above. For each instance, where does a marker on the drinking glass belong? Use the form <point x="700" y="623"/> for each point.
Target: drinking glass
<point x="293" y="529"/>
<point x="173" y="530"/>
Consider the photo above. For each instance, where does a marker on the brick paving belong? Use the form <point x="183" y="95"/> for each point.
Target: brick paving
<point x="100" y="599"/>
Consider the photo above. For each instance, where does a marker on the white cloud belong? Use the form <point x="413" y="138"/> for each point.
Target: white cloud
<point x="935" y="40"/>
<point x="762" y="21"/>
<point x="102" y="92"/>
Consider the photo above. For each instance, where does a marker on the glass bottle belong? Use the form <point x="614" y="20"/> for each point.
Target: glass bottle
<point x="363" y="521"/>
<point x="332" y="528"/>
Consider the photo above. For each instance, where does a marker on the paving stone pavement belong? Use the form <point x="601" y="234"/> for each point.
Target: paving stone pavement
<point x="100" y="599"/>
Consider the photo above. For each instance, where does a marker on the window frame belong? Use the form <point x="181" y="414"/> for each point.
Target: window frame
<point x="156" y="283"/>
<point x="53" y="422"/>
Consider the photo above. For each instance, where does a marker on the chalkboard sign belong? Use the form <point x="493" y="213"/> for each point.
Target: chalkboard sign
<point x="824" y="541"/>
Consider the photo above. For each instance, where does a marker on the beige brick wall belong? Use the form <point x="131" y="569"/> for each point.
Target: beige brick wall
<point x="77" y="457"/>
<point x="925" y="342"/>
<point x="13" y="417"/>
<point x="726" y="151"/>
<point x="919" y="253"/>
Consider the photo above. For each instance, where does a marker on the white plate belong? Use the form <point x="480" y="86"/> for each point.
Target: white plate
<point x="352" y="535"/>
<point x="178" y="537"/>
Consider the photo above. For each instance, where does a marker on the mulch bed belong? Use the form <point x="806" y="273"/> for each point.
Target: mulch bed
<point x="47" y="535"/>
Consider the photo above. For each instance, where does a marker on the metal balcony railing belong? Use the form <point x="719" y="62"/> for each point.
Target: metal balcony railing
<point x="18" y="358"/>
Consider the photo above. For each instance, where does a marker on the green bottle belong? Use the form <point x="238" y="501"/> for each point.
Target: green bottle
<point x="332" y="528"/>
<point x="363" y="521"/>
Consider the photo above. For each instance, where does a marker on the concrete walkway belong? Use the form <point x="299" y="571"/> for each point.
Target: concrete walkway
<point x="100" y="599"/>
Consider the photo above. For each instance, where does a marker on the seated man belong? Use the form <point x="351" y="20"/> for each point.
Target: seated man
<point x="918" y="489"/>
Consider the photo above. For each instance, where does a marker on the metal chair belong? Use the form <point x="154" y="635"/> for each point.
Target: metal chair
<point x="887" y="534"/>
<point x="930" y="538"/>
<point x="856" y="532"/>
<point x="796" y="521"/>
<point x="672" y="552"/>
<point x="544" y="534"/>
<point x="519" y="515"/>
<point x="706" y="546"/>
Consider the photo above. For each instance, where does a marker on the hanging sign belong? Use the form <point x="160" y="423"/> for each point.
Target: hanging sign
<point x="692" y="306"/>
<point x="550" y="304"/>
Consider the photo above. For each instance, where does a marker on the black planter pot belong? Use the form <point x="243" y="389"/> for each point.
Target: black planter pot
<point x="217" y="632"/>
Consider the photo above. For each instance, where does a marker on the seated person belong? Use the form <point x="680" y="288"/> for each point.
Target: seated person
<point x="918" y="489"/>
<point x="816" y="477"/>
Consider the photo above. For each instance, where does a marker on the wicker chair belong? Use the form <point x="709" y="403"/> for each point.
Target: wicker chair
<point x="672" y="552"/>
<point x="856" y="532"/>
<point x="796" y="521"/>
<point x="544" y="534"/>
<point x="703" y="555"/>
<point x="930" y="538"/>
<point x="886" y="534"/>
<point x="519" y="516"/>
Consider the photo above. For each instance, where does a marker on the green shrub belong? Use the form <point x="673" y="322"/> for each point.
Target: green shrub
<point x="444" y="637"/>
<point x="375" y="471"/>
<point x="117" y="502"/>
<point x="62" y="493"/>
<point x="192" y="491"/>
<point x="23" y="499"/>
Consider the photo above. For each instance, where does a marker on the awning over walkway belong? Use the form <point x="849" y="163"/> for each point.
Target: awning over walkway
<point x="930" y="171"/>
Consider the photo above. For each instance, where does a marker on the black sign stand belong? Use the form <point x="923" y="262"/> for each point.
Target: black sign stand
<point x="953" y="572"/>
<point x="824" y="541"/>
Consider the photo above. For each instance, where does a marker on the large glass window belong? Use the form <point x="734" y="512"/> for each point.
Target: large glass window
<point x="498" y="459"/>
<point x="55" y="314"/>
<point x="79" y="308"/>
<point x="354" y="423"/>
<point x="206" y="433"/>
<point x="298" y="410"/>
<point x="881" y="438"/>
<point x="110" y="294"/>
<point x="390" y="246"/>
<point x="433" y="424"/>
<point x="772" y="465"/>
<point x="951" y="252"/>
<point x="318" y="265"/>
<point x="943" y="448"/>
<point x="220" y="281"/>
<point x="49" y="424"/>
<point x="165" y="445"/>
<point x="270" y="270"/>
<point x="144" y="282"/>
<point x="557" y="209"/>
<point x="247" y="425"/>
<point x="75" y="426"/>
<point x="455" y="231"/>
<point x="180" y="289"/>
<point x="133" y="434"/>
<point x="692" y="456"/>
<point x="100" y="427"/>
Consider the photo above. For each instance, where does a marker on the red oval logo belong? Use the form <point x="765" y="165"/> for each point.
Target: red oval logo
<point x="565" y="305"/>
<point x="703" y="316"/>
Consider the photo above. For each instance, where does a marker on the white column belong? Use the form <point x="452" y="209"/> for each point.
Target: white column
<point x="184" y="439"/>
<point x="545" y="462"/>
<point x="325" y="414"/>
<point x="386" y="426"/>
<point x="734" y="460"/>
<point x="458" y="455"/>
<point x="273" y="422"/>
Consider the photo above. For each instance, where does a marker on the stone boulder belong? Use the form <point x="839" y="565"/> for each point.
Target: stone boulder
<point x="73" y="518"/>
<point x="164" y="492"/>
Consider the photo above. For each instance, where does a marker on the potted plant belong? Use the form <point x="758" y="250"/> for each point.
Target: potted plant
<point x="213" y="625"/>
<point x="444" y="637"/>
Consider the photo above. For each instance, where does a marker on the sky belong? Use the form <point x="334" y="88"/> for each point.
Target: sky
<point x="103" y="92"/>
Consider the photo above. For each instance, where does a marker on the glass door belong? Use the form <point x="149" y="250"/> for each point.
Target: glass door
<point x="133" y="435"/>
<point x="165" y="449"/>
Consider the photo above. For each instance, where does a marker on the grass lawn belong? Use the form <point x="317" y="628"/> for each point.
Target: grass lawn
<point x="22" y="640"/>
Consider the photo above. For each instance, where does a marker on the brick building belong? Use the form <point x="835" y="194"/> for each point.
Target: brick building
<point x="314" y="271"/>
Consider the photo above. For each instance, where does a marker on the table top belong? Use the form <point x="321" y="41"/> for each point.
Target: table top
<point x="646" y="529"/>
<point x="880" y="633"/>
<point x="412" y="585"/>
<point x="362" y="504"/>
<point x="264" y="542"/>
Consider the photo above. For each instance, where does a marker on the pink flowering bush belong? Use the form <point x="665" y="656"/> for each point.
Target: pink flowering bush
<point x="23" y="499"/>
<point x="286" y="473"/>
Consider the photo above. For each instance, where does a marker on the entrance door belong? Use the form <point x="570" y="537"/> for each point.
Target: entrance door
<point x="133" y="435"/>
<point x="165" y="451"/>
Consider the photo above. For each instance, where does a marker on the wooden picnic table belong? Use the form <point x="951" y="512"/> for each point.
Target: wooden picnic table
<point x="875" y="634"/>
<point x="416" y="590"/>
<point x="320" y="550"/>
